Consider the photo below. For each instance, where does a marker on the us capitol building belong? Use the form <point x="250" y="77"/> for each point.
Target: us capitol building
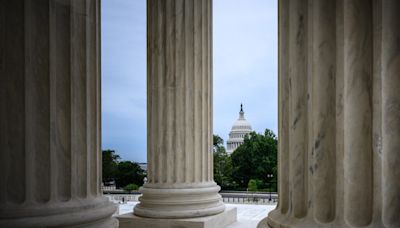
<point x="240" y="128"/>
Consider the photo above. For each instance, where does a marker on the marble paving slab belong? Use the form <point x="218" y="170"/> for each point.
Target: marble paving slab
<point x="248" y="215"/>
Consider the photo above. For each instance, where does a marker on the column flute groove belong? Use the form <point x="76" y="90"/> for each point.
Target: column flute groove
<point x="180" y="93"/>
<point x="298" y="107"/>
<point x="323" y="167"/>
<point x="204" y="89"/>
<point x="187" y="85"/>
<point x="12" y="105"/>
<point x="211" y="86"/>
<point x="391" y="113"/>
<point x="196" y="90"/>
<point x="339" y="137"/>
<point x="357" y="112"/>
<point x="283" y="122"/>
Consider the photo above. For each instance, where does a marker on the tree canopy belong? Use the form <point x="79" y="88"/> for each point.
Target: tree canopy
<point x="222" y="164"/>
<point x="122" y="172"/>
<point x="218" y="142"/>
<point x="256" y="159"/>
<point x="131" y="187"/>
<point x="254" y="163"/>
<point x="110" y="165"/>
<point x="129" y="173"/>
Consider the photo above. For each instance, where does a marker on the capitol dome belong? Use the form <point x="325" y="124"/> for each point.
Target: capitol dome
<point x="240" y="128"/>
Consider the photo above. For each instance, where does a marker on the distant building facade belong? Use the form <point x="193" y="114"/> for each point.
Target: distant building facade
<point x="240" y="128"/>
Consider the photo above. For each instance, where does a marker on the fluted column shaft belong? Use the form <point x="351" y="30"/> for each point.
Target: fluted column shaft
<point x="345" y="67"/>
<point x="50" y="160"/>
<point x="179" y="91"/>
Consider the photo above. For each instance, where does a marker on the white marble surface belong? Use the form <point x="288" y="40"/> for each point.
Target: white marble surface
<point x="224" y="219"/>
<point x="248" y="216"/>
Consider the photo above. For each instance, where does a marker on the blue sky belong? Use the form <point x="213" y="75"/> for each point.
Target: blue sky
<point x="245" y="70"/>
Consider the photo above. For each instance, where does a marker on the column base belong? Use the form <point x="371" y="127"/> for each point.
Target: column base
<point x="227" y="217"/>
<point x="276" y="219"/>
<point x="74" y="214"/>
<point x="179" y="202"/>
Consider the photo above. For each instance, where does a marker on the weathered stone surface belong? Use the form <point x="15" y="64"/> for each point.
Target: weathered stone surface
<point x="391" y="113"/>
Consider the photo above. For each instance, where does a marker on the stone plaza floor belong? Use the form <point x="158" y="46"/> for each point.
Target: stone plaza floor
<point x="248" y="215"/>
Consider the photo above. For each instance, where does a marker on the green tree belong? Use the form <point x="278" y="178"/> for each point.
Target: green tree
<point x="222" y="164"/>
<point x="223" y="169"/>
<point x="129" y="173"/>
<point x="252" y="185"/>
<point x="218" y="142"/>
<point x="131" y="187"/>
<point x="255" y="159"/>
<point x="110" y="165"/>
<point x="255" y="185"/>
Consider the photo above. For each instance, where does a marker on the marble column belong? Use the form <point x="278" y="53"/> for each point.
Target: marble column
<point x="339" y="114"/>
<point x="179" y="112"/>
<point x="50" y="133"/>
